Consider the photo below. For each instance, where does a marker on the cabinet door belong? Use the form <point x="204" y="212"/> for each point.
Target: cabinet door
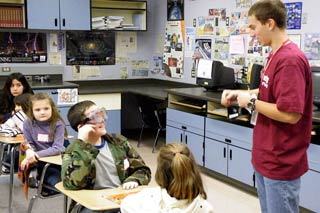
<point x="173" y="135"/>
<point x="239" y="165"/>
<point x="216" y="156"/>
<point x="75" y="15"/>
<point x="195" y="144"/>
<point x="43" y="14"/>
<point x="310" y="188"/>
<point x="114" y="121"/>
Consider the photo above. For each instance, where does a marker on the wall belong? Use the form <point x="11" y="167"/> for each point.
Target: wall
<point x="151" y="43"/>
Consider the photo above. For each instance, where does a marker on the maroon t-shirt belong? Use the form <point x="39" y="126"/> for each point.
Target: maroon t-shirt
<point x="279" y="149"/>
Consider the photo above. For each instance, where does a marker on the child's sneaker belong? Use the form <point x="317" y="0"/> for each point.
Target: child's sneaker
<point x="32" y="180"/>
<point x="5" y="170"/>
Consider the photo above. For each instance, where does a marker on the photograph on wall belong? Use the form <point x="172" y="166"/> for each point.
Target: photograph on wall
<point x="173" y="49"/>
<point x="312" y="46"/>
<point x="243" y="3"/>
<point x="203" y="48"/>
<point x="238" y="23"/>
<point x="90" y="48"/>
<point x="218" y="12"/>
<point x="175" y="10"/>
<point x="206" y="25"/>
<point x="221" y="48"/>
<point x="294" y="14"/>
<point x="190" y="41"/>
<point x="17" y="47"/>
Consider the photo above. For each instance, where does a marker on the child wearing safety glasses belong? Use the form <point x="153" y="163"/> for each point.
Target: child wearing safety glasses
<point x="97" y="159"/>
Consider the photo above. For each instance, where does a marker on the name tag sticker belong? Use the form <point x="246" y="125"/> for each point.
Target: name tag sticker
<point x="43" y="137"/>
<point x="126" y="164"/>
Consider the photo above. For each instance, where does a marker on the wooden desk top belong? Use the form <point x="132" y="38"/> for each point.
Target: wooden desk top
<point x="95" y="199"/>
<point x="12" y="140"/>
<point x="56" y="159"/>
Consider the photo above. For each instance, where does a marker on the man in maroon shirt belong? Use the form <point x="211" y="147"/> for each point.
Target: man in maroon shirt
<point x="283" y="104"/>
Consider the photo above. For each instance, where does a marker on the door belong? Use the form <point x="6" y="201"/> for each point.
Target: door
<point x="239" y="165"/>
<point x="173" y="135"/>
<point x="309" y="193"/>
<point x="43" y="14"/>
<point x="75" y="15"/>
<point x="195" y="144"/>
<point x="216" y="156"/>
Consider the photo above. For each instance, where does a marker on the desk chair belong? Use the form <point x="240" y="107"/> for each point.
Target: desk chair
<point x="152" y="114"/>
<point x="42" y="186"/>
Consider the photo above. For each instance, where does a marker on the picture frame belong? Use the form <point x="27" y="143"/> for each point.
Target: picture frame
<point x="175" y="10"/>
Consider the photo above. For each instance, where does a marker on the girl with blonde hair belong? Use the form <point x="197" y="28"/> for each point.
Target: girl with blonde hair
<point x="180" y="186"/>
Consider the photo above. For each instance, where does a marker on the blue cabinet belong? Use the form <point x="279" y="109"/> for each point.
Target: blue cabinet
<point x="227" y="150"/>
<point x="310" y="188"/>
<point x="186" y="128"/>
<point x="113" y="124"/>
<point x="59" y="14"/>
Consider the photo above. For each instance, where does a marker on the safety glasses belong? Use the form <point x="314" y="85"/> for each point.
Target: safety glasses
<point x="98" y="115"/>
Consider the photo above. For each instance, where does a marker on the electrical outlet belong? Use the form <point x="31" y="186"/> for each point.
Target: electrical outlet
<point x="6" y="69"/>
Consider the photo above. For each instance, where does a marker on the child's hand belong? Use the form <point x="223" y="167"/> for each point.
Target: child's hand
<point x="84" y="131"/>
<point x="130" y="185"/>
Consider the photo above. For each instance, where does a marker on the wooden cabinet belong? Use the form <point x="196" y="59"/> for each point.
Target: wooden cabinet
<point x="58" y="14"/>
<point x="119" y="15"/>
<point x="12" y="14"/>
<point x="186" y="128"/>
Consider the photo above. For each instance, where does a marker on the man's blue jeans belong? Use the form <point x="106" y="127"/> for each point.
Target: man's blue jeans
<point x="278" y="196"/>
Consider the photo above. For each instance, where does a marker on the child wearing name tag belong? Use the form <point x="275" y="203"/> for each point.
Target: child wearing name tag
<point x="107" y="160"/>
<point x="44" y="133"/>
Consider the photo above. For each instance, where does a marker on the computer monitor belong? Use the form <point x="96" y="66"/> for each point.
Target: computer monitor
<point x="213" y="75"/>
<point x="316" y="86"/>
<point x="254" y="72"/>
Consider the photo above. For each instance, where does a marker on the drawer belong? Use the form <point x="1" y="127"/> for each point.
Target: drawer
<point x="229" y="133"/>
<point x="186" y="121"/>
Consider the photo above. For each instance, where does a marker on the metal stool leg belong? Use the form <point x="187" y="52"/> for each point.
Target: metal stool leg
<point x="156" y="140"/>
<point x="34" y="197"/>
<point x="140" y="137"/>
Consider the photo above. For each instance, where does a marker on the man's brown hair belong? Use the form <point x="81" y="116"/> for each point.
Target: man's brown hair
<point x="178" y="172"/>
<point x="270" y="9"/>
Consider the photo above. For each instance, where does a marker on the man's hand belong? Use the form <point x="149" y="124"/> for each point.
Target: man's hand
<point x="229" y="97"/>
<point x="243" y="99"/>
<point x="130" y="185"/>
<point x="84" y="131"/>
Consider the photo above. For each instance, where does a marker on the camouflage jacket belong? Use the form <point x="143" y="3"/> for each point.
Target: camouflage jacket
<point x="78" y="163"/>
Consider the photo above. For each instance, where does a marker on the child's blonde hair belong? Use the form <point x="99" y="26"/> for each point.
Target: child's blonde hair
<point x="178" y="172"/>
<point x="55" y="116"/>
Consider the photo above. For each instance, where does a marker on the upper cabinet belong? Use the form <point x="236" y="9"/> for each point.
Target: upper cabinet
<point x="12" y="14"/>
<point x="119" y="15"/>
<point x="58" y="14"/>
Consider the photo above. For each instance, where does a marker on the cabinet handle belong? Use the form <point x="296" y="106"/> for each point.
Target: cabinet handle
<point x="180" y="137"/>
<point x="183" y="127"/>
<point x="56" y="22"/>
<point x="254" y="179"/>
<point x="64" y="22"/>
<point x="54" y="93"/>
<point x="224" y="152"/>
<point x="186" y="139"/>
<point x="227" y="140"/>
<point x="230" y="154"/>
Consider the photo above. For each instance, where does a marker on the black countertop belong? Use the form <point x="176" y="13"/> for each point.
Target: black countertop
<point x="149" y="87"/>
<point x="197" y="93"/>
<point x="53" y="85"/>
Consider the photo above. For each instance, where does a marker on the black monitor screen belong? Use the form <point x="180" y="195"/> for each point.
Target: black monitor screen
<point x="316" y="85"/>
<point x="90" y="48"/>
<point x="20" y="47"/>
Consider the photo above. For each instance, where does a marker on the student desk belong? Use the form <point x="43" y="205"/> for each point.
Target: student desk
<point x="50" y="160"/>
<point x="12" y="142"/>
<point x="95" y="199"/>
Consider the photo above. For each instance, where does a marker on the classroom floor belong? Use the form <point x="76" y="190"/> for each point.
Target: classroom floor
<point x="223" y="197"/>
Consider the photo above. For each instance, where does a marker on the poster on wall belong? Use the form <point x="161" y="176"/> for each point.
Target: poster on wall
<point x="203" y="49"/>
<point x="190" y="41"/>
<point x="294" y="14"/>
<point x="173" y="49"/>
<point x="206" y="25"/>
<point x="243" y="3"/>
<point x="312" y="46"/>
<point x="175" y="10"/>
<point x="20" y="47"/>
